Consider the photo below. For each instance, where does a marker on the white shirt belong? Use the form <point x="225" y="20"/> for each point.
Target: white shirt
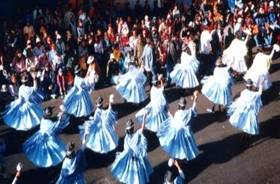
<point x="205" y="39"/>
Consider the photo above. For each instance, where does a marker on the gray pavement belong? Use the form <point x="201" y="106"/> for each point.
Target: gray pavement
<point x="224" y="156"/>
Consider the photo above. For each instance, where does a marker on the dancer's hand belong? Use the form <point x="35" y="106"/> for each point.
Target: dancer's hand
<point x="195" y="95"/>
<point x="111" y="98"/>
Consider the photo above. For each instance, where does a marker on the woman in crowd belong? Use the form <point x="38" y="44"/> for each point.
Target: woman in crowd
<point x="217" y="88"/>
<point x="24" y="113"/>
<point x="175" y="135"/>
<point x="93" y="72"/>
<point x="78" y="101"/>
<point x="131" y="85"/>
<point x="157" y="108"/>
<point x="132" y="164"/>
<point x="98" y="133"/>
<point x="244" y="110"/>
<point x="45" y="148"/>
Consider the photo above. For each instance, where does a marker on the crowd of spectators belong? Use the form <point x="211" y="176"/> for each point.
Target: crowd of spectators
<point x="104" y="38"/>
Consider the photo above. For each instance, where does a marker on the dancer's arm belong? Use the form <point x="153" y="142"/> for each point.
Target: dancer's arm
<point x="19" y="167"/>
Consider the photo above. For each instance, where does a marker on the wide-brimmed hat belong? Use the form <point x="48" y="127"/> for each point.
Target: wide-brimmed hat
<point x="99" y="101"/>
<point x="90" y="59"/>
<point x="4" y="88"/>
<point x="77" y="69"/>
<point x="182" y="102"/>
<point x="129" y="125"/>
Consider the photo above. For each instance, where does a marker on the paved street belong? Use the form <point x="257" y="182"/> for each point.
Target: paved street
<point x="224" y="157"/>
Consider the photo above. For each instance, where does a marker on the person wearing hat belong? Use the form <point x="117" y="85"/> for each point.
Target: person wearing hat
<point x="175" y="135"/>
<point x="131" y="85"/>
<point x="73" y="166"/>
<point x="98" y="133"/>
<point x="184" y="73"/>
<point x="243" y="112"/>
<point x="237" y="61"/>
<point x="93" y="72"/>
<point x="132" y="164"/>
<point x="157" y="109"/>
<point x="259" y="70"/>
<point x="25" y="112"/>
<point x="77" y="101"/>
<point x="217" y="87"/>
<point x="45" y="148"/>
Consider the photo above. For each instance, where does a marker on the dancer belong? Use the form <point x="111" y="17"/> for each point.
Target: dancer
<point x="78" y="101"/>
<point x="98" y="133"/>
<point x="24" y="113"/>
<point x="131" y="85"/>
<point x="175" y="135"/>
<point x="45" y="148"/>
<point x="244" y="111"/>
<point x="184" y="73"/>
<point x="93" y="73"/>
<point x="237" y="61"/>
<point x="217" y="88"/>
<point x="73" y="166"/>
<point x="132" y="165"/>
<point x="157" y="108"/>
<point x="259" y="71"/>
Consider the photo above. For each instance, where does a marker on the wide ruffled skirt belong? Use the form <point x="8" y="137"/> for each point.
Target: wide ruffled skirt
<point x="23" y="115"/>
<point x="216" y="92"/>
<point x="101" y="138"/>
<point x="184" y="77"/>
<point x="244" y="116"/>
<point x="154" y="118"/>
<point x="78" y="102"/>
<point x="130" y="169"/>
<point x="237" y="63"/>
<point x="131" y="91"/>
<point x="178" y="143"/>
<point x="44" y="150"/>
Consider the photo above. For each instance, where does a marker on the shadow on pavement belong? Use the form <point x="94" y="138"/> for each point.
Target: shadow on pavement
<point x="230" y="147"/>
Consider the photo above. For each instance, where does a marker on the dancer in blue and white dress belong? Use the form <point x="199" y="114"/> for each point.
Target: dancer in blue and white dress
<point x="131" y="85"/>
<point x="184" y="73"/>
<point x="244" y="111"/>
<point x="45" y="148"/>
<point x="237" y="61"/>
<point x="217" y="88"/>
<point x="157" y="108"/>
<point x="259" y="71"/>
<point x="78" y="101"/>
<point x="98" y="133"/>
<point x="132" y="165"/>
<point x="24" y="113"/>
<point x="73" y="166"/>
<point x="175" y="136"/>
